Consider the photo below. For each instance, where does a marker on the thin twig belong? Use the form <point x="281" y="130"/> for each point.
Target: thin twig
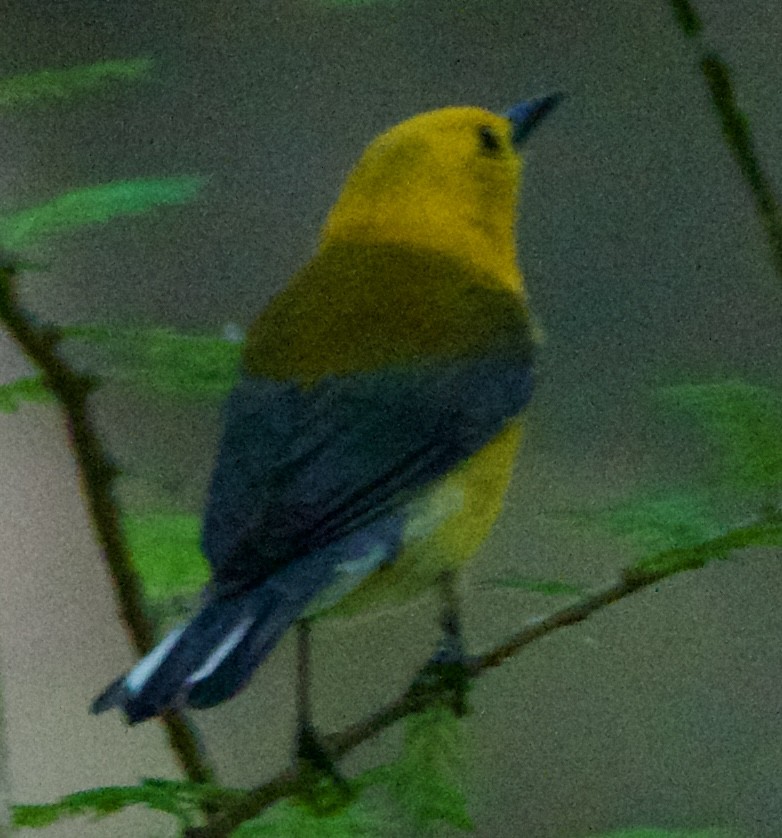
<point x="303" y="706"/>
<point x="735" y="129"/>
<point x="5" y="772"/>
<point x="97" y="473"/>
<point x="414" y="700"/>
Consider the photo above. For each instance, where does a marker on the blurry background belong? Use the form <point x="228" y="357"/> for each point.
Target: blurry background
<point x="645" y="264"/>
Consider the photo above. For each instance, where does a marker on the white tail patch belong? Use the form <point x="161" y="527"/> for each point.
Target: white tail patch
<point x="150" y="663"/>
<point x="222" y="651"/>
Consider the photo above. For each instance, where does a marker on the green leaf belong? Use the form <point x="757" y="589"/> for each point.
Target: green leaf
<point x="163" y="361"/>
<point x="427" y="779"/>
<point x="745" y="422"/>
<point x="680" y="531"/>
<point x="94" y="205"/>
<point x="547" y="587"/>
<point x="55" y="85"/>
<point x="183" y="800"/>
<point x="292" y="818"/>
<point x="654" y="523"/>
<point x="31" y="389"/>
<point x="166" y="554"/>
<point x="764" y="533"/>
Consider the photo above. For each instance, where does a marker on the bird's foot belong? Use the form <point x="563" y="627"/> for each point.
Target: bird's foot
<point x="322" y="786"/>
<point x="447" y="674"/>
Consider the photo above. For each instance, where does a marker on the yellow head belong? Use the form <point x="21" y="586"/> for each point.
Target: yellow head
<point x="446" y="180"/>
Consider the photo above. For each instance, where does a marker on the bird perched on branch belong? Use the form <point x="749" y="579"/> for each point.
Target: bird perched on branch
<point x="368" y="446"/>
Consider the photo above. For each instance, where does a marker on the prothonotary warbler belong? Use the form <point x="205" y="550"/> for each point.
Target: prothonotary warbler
<point x="369" y="444"/>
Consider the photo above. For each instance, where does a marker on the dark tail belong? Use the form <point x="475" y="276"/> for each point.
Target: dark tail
<point x="207" y="660"/>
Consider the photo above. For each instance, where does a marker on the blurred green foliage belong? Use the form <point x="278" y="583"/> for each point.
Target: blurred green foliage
<point x="744" y="422"/>
<point x="742" y="425"/>
<point x="652" y="523"/>
<point x="290" y="817"/>
<point x="31" y="389"/>
<point x="94" y="205"/>
<point x="427" y="781"/>
<point x="161" y="361"/>
<point x="763" y="533"/>
<point x="47" y="86"/>
<point x="181" y="799"/>
<point x="166" y="553"/>
<point x="738" y="506"/>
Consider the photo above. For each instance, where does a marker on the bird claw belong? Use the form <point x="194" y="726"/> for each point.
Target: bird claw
<point x="322" y="786"/>
<point x="448" y="676"/>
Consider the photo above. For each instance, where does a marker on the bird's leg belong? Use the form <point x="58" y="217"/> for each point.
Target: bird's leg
<point x="452" y="642"/>
<point x="308" y="747"/>
<point x="313" y="760"/>
<point x="446" y="670"/>
<point x="303" y="706"/>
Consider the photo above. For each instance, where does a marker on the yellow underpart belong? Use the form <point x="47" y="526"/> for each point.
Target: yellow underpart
<point x="461" y="506"/>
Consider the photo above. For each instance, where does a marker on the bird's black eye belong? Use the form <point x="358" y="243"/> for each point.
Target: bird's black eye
<point x="490" y="142"/>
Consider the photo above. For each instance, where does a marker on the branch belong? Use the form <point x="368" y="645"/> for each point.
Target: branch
<point x="97" y="474"/>
<point x="416" y="699"/>
<point x="5" y="773"/>
<point x="735" y="130"/>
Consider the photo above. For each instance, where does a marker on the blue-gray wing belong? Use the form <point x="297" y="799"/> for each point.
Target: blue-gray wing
<point x="301" y="469"/>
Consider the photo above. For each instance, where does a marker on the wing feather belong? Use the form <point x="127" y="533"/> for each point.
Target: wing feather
<point x="303" y="468"/>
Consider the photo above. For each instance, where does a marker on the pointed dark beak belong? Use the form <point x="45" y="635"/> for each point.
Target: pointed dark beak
<point x="526" y="115"/>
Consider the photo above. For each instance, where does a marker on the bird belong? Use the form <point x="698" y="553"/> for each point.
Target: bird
<point x="368" y="445"/>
